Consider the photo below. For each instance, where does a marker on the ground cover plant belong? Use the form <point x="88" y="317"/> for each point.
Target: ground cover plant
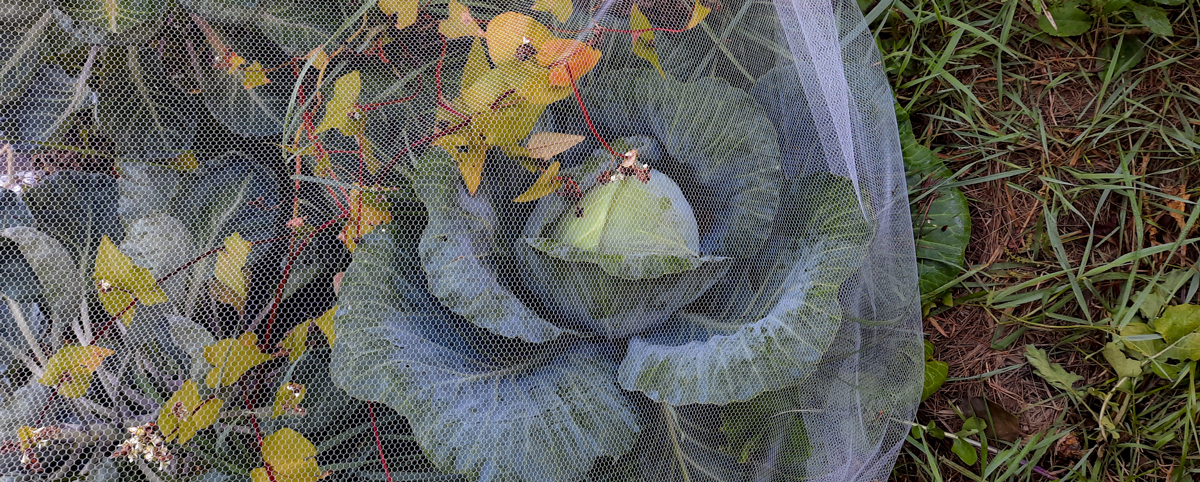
<point x="1064" y="339"/>
<point x="389" y="240"/>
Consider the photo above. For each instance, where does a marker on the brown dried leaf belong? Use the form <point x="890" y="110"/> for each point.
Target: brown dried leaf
<point x="545" y="145"/>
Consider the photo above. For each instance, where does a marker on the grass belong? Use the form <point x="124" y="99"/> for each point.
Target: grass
<point x="1081" y="173"/>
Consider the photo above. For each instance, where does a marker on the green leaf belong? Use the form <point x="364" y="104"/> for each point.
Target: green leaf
<point x="114" y="16"/>
<point x="299" y="26"/>
<point x="941" y="220"/>
<point x="1111" y="6"/>
<point x="768" y="425"/>
<point x="1053" y="373"/>
<point x="1069" y="18"/>
<point x="62" y="284"/>
<point x="1177" y="321"/>
<point x="1186" y="348"/>
<point x="928" y="350"/>
<point x="1124" y="367"/>
<point x="226" y="11"/>
<point x="1154" y="18"/>
<point x="1170" y="3"/>
<point x="19" y="59"/>
<point x="998" y="423"/>
<point x="144" y="116"/>
<point x="51" y="97"/>
<point x="77" y="209"/>
<point x="121" y="283"/>
<point x="546" y="183"/>
<point x="1144" y="348"/>
<point x="473" y="406"/>
<point x="248" y="112"/>
<point x="643" y="42"/>
<point x="1130" y="53"/>
<point x="935" y="376"/>
<point x="291" y="456"/>
<point x="965" y="451"/>
<point x="231" y="358"/>
<point x="70" y="369"/>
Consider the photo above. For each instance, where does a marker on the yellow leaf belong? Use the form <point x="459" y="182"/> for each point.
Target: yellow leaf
<point x="343" y="105"/>
<point x="230" y="262"/>
<point x="698" y="13"/>
<point x="459" y="23"/>
<point x="642" y="40"/>
<point x="509" y="125"/>
<point x="292" y="458"/>
<point x="220" y="292"/>
<point x="547" y="183"/>
<point x="27" y="438"/>
<point x="255" y="76"/>
<point x="185" y="414"/>
<point x="532" y="83"/>
<point x="120" y="282"/>
<point x="469" y="150"/>
<point x="476" y="66"/>
<point x="296" y="341"/>
<point x="287" y="400"/>
<point x="507" y="32"/>
<point x="366" y="212"/>
<point x="235" y="62"/>
<point x="231" y="358"/>
<point x="320" y="60"/>
<point x="404" y="10"/>
<point x="561" y="9"/>
<point x="545" y="145"/>
<point x="325" y="323"/>
<point x="71" y="367"/>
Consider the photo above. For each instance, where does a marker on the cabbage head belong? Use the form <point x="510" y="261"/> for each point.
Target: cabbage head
<point x="523" y="341"/>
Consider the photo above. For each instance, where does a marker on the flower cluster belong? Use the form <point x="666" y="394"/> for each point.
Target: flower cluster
<point x="147" y="442"/>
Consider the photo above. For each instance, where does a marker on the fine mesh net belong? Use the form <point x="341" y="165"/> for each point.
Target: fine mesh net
<point x="402" y="240"/>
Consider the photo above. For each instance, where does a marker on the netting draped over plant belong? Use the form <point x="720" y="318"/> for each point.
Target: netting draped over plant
<point x="543" y="240"/>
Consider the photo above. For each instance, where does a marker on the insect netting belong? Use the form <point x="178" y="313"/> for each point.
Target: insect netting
<point x="405" y="240"/>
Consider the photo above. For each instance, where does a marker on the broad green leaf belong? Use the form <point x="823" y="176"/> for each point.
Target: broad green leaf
<point x="231" y="358"/>
<point x="453" y="249"/>
<point x="509" y="31"/>
<point x="964" y="451"/>
<point x="121" y="283"/>
<point x="159" y="243"/>
<point x="290" y="457"/>
<point x="287" y="400"/>
<point x="642" y="41"/>
<point x="941" y="221"/>
<point x="935" y="376"/>
<point x="62" y="284"/>
<point x="1154" y="18"/>
<point x="185" y="413"/>
<point x="342" y="106"/>
<point x="145" y="117"/>
<point x="42" y="109"/>
<point x="561" y="9"/>
<point x="1121" y="364"/>
<point x="299" y="26"/>
<point x="473" y="407"/>
<point x="1053" y="373"/>
<point x="928" y="350"/>
<point x="1177" y="321"/>
<point x="230" y="262"/>
<point x="1186" y="348"/>
<point x="1126" y="57"/>
<point x="404" y="10"/>
<point x="70" y="369"/>
<point x="226" y="11"/>
<point x="546" y="183"/>
<point x="545" y="145"/>
<point x="477" y="64"/>
<point x="1069" y="19"/>
<point x="114" y="16"/>
<point x="767" y="426"/>
<point x="251" y="112"/>
<point x="469" y="152"/>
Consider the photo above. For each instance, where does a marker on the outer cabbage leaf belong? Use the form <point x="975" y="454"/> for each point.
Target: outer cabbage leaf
<point x="145" y="117"/>
<point x="457" y="246"/>
<point x="781" y="95"/>
<point x="583" y="293"/>
<point x="77" y="208"/>
<point x="495" y="408"/>
<point x="47" y="102"/>
<point x="298" y="26"/>
<point x="767" y="325"/>
<point x="248" y="112"/>
<point x="723" y="151"/>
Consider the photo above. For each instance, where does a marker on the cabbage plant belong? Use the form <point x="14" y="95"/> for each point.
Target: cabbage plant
<point x="537" y="341"/>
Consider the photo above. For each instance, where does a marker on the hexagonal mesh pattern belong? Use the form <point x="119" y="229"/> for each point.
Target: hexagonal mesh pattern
<point x="402" y="240"/>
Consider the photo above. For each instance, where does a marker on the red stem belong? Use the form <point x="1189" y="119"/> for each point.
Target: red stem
<point x="378" y="444"/>
<point x="586" y="117"/>
<point x="257" y="433"/>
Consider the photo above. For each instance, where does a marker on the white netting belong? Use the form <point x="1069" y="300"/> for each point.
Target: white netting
<point x="539" y="240"/>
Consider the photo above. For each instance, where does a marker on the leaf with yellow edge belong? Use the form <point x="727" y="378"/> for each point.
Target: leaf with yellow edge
<point x="459" y="23"/>
<point x="71" y="367"/>
<point x="367" y="210"/>
<point x="292" y="458"/>
<point x="698" y="13"/>
<point x="121" y="282"/>
<point x="231" y="358"/>
<point x="546" y="183"/>
<point x="642" y="40"/>
<point x="255" y="76"/>
<point x="404" y="10"/>
<point x="325" y="323"/>
<point x="339" y="109"/>
<point x="287" y="400"/>
<point x="296" y="341"/>
<point x="185" y="414"/>
<point x="229" y="265"/>
<point x="561" y="9"/>
<point x="545" y="145"/>
<point x="508" y="31"/>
